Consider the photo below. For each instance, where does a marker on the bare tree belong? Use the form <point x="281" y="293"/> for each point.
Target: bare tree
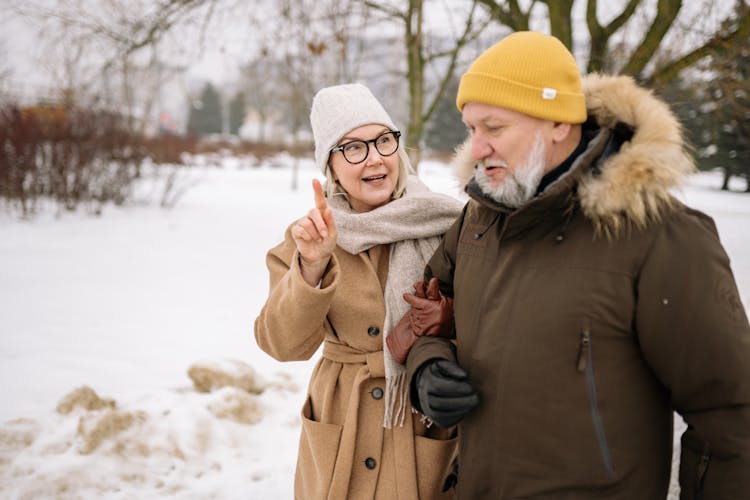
<point x="301" y="54"/>
<point x="259" y="81"/>
<point x="419" y="58"/>
<point x="91" y="58"/>
<point x="640" y="58"/>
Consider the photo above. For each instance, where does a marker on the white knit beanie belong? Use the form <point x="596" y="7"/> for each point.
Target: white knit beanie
<point x="340" y="109"/>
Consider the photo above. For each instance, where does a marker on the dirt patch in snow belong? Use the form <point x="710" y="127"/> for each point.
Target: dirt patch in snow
<point x="238" y="406"/>
<point x="85" y="398"/>
<point x="210" y="376"/>
<point x="97" y="427"/>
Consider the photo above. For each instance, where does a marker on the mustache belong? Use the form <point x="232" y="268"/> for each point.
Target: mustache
<point x="486" y="163"/>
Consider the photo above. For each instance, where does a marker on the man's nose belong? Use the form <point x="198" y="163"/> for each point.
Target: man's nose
<point x="480" y="148"/>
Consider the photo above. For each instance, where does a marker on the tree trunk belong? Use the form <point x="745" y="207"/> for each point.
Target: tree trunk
<point x="415" y="74"/>
<point x="600" y="35"/>
<point x="727" y="176"/>
<point x="560" y="21"/>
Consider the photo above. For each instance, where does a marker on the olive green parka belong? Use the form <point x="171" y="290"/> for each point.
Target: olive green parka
<point x="589" y="314"/>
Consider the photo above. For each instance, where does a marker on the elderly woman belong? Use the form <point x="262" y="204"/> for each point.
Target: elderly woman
<point x="338" y="278"/>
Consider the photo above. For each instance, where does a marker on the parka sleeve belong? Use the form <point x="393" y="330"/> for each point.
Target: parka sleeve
<point x="442" y="266"/>
<point x="291" y="324"/>
<point x="694" y="333"/>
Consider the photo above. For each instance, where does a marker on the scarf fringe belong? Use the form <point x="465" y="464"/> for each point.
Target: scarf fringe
<point x="396" y="400"/>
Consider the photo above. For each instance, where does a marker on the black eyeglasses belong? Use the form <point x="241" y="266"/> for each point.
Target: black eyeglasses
<point x="356" y="151"/>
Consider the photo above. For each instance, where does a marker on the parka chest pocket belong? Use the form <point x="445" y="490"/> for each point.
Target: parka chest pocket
<point x="473" y="239"/>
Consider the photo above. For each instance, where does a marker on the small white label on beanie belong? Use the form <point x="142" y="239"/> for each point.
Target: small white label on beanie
<point x="548" y="93"/>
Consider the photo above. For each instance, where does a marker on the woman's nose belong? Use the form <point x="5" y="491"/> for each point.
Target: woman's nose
<point x="373" y="156"/>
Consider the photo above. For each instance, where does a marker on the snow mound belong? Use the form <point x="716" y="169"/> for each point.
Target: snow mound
<point x="94" y="429"/>
<point x="182" y="442"/>
<point x="236" y="405"/>
<point x="209" y="376"/>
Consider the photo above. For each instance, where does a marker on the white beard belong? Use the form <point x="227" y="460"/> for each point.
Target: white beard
<point x="520" y="185"/>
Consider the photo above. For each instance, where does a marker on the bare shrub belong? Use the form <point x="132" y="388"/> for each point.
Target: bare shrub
<point x="71" y="156"/>
<point x="169" y="148"/>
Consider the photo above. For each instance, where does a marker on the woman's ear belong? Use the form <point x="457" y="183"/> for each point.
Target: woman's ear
<point x="333" y="172"/>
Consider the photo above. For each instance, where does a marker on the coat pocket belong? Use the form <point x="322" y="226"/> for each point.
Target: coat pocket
<point x="434" y="460"/>
<point x="318" y="448"/>
<point x="585" y="365"/>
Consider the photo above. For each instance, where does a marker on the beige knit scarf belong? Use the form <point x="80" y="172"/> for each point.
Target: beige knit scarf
<point x="413" y="225"/>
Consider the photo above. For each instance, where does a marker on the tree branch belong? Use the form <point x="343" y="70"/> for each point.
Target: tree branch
<point x="390" y="12"/>
<point x="600" y="35"/>
<point x="514" y="17"/>
<point x="466" y="37"/>
<point x="666" y="13"/>
<point x="624" y="16"/>
<point x="716" y="45"/>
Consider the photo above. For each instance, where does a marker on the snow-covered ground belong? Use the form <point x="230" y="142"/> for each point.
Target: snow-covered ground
<point x="125" y="304"/>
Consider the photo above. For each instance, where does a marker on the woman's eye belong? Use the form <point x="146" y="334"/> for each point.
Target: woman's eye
<point x="352" y="148"/>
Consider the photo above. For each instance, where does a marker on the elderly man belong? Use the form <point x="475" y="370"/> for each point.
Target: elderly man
<point x="589" y="303"/>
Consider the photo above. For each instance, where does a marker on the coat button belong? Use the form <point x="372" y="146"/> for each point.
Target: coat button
<point x="373" y="331"/>
<point x="377" y="393"/>
<point x="370" y="463"/>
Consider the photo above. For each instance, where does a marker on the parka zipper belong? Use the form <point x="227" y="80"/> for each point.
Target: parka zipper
<point x="702" y="468"/>
<point x="585" y="365"/>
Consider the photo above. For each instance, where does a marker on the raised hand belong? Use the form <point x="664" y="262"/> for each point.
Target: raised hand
<point x="315" y="236"/>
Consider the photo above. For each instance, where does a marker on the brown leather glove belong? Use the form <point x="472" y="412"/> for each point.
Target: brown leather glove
<point x="431" y="311"/>
<point x="401" y="339"/>
<point x="431" y="315"/>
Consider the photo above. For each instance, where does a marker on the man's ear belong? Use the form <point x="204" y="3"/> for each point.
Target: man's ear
<point x="561" y="131"/>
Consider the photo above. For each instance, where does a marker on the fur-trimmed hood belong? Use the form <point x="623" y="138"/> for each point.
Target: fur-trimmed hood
<point x="632" y="186"/>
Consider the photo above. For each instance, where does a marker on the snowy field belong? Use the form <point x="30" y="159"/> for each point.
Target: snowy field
<point x="127" y="303"/>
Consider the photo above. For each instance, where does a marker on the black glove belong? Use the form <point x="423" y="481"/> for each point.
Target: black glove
<point x="444" y="392"/>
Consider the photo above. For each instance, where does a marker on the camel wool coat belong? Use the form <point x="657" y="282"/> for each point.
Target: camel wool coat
<point x="344" y="450"/>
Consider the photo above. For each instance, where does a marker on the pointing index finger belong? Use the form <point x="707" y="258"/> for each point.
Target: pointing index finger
<point x="320" y="199"/>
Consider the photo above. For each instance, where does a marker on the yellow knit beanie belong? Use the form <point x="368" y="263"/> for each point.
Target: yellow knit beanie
<point x="528" y="72"/>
